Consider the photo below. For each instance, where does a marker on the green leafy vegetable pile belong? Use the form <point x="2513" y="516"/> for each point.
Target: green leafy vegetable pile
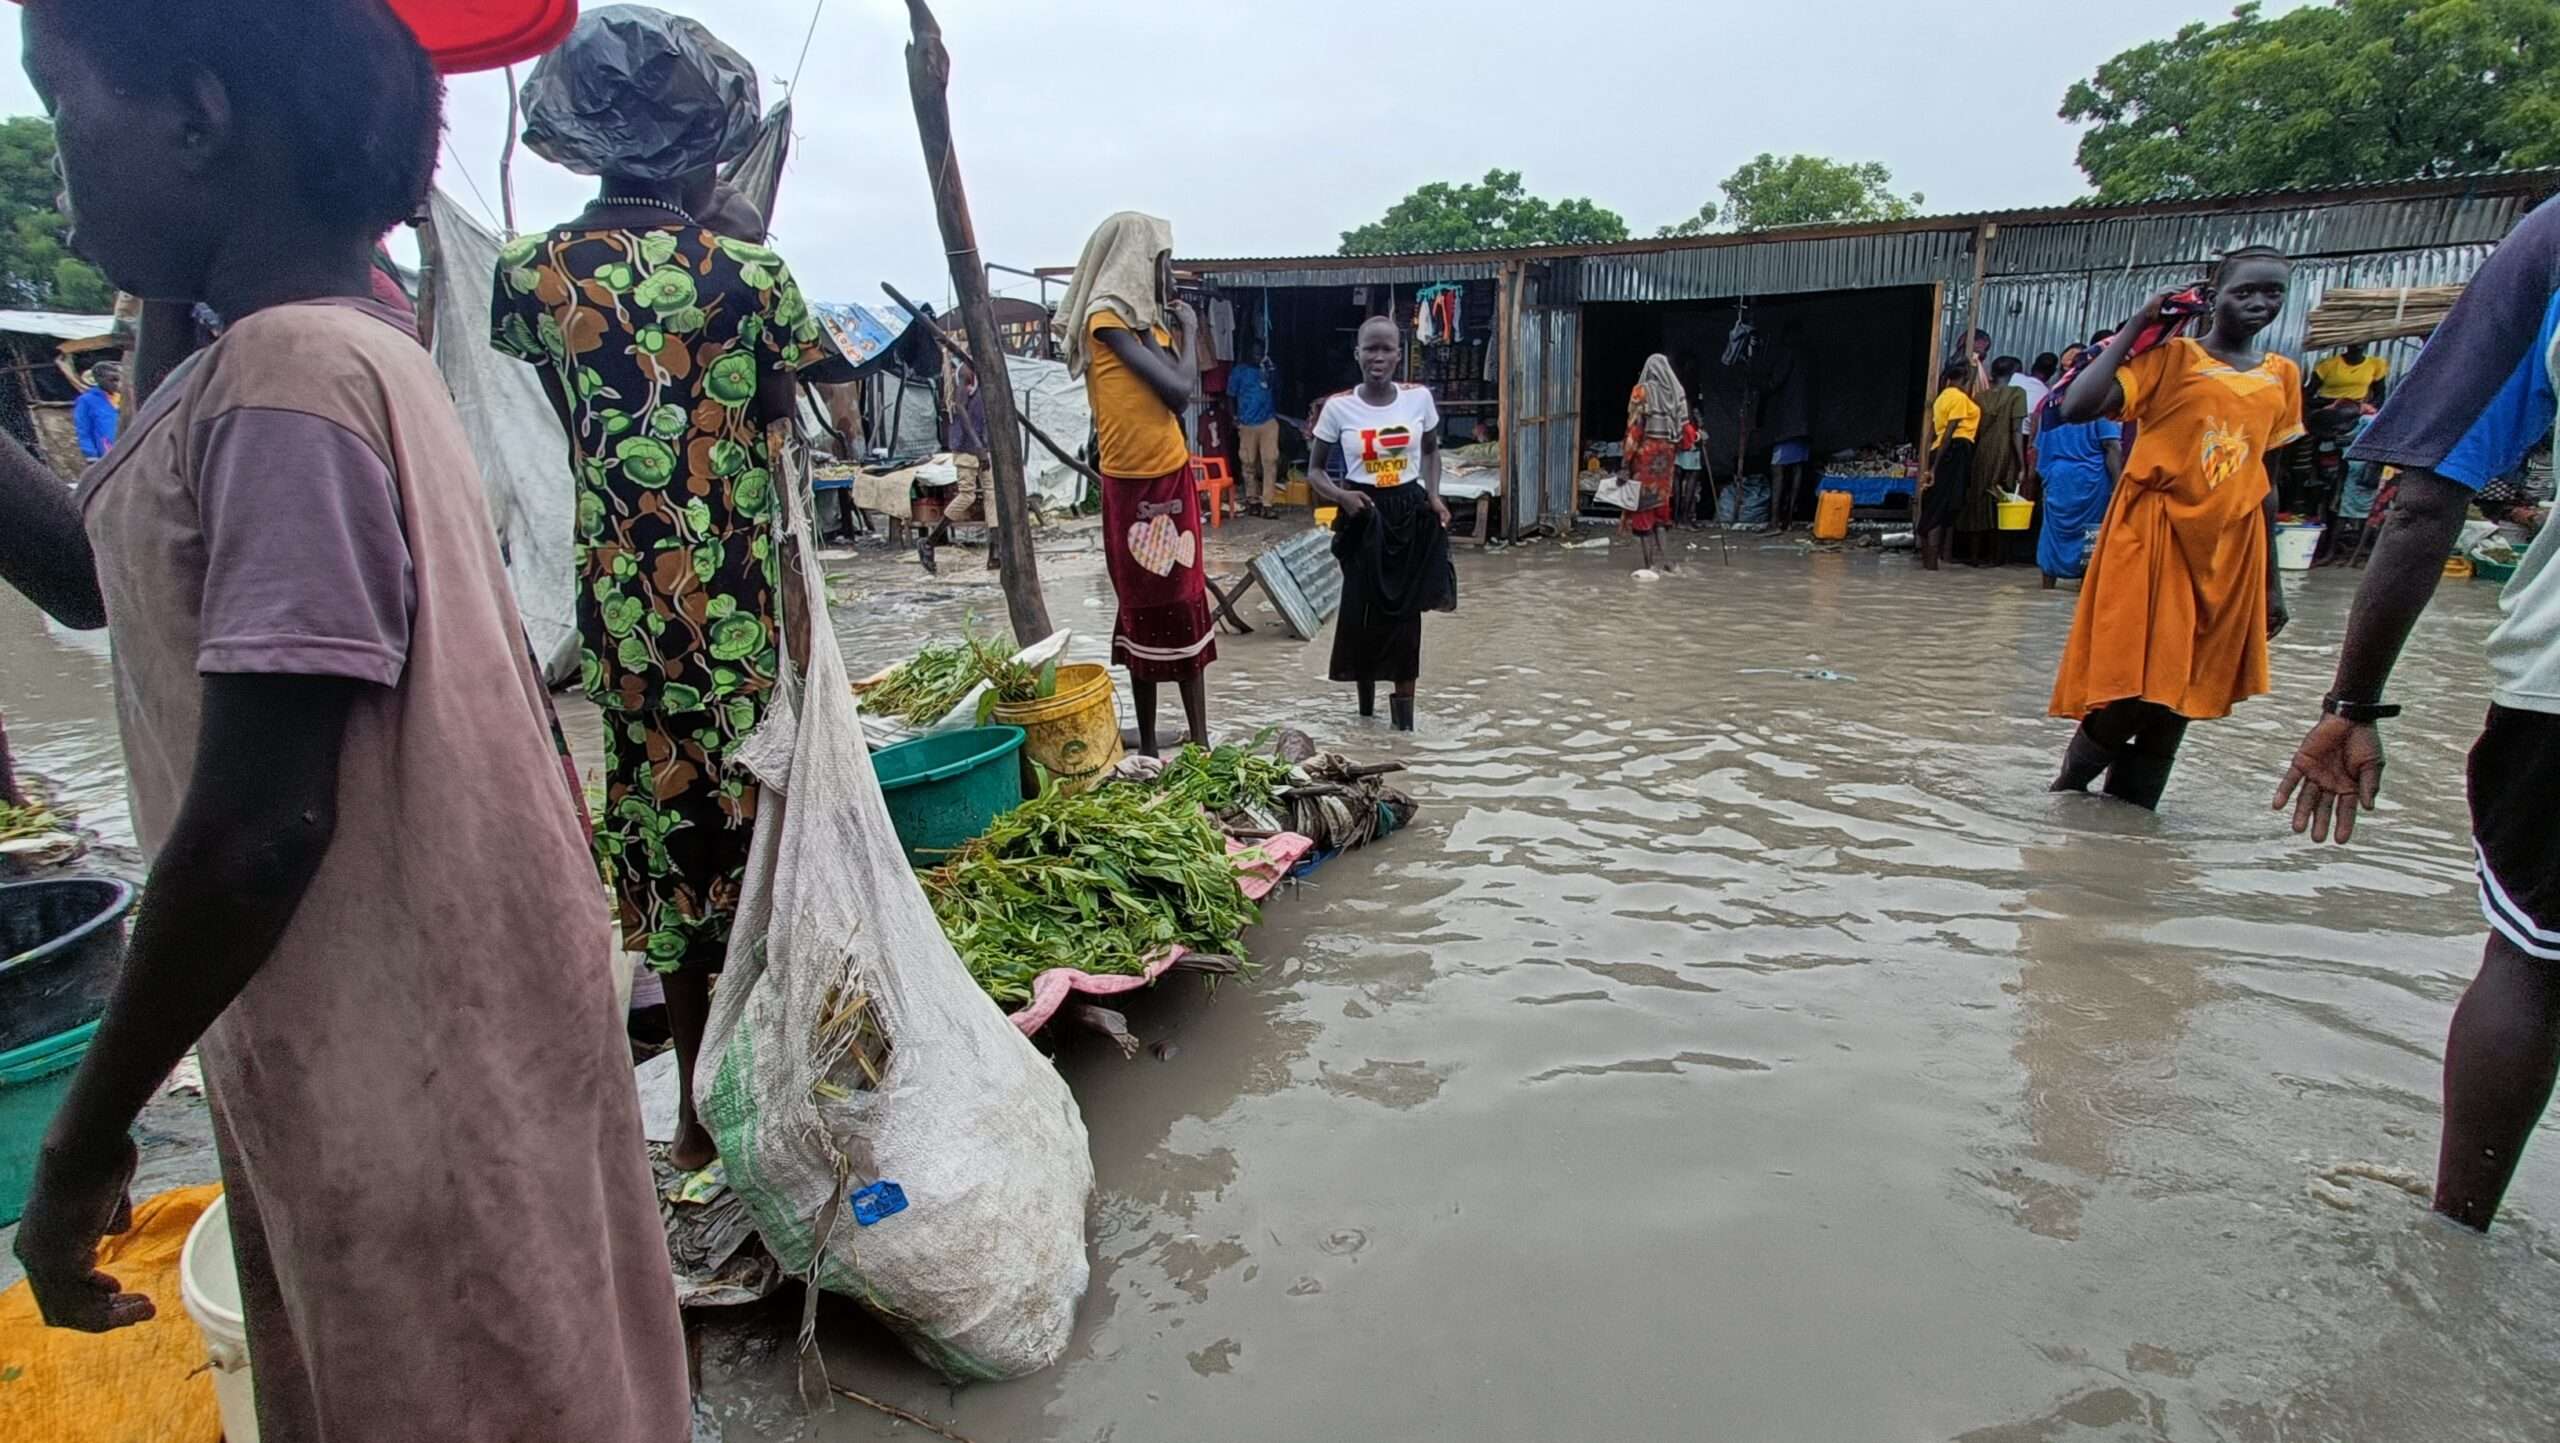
<point x="1226" y="779"/>
<point x="927" y="686"/>
<point x="31" y="820"/>
<point x="1104" y="881"/>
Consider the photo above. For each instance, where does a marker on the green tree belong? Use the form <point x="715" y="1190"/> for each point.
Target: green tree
<point x="2330" y="94"/>
<point x="1498" y="212"/>
<point x="1769" y="191"/>
<point x="36" y="271"/>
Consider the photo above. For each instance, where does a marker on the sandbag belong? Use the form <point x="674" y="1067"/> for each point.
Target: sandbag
<point x="836" y="956"/>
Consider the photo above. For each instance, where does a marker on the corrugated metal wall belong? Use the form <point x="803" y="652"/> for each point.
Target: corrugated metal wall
<point x="1386" y="272"/>
<point x="1545" y="382"/>
<point x="2028" y="314"/>
<point x="1777" y="267"/>
<point x="2046" y="283"/>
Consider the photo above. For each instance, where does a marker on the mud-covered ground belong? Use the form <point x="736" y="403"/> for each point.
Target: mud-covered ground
<point x="1744" y="1045"/>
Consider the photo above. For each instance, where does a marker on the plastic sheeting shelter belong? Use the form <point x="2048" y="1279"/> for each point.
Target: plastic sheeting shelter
<point x="516" y="438"/>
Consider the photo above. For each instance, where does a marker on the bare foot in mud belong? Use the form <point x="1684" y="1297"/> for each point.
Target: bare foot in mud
<point x="693" y="1150"/>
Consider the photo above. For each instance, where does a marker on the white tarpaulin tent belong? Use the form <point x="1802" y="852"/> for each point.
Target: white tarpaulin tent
<point x="515" y="436"/>
<point x="1055" y="402"/>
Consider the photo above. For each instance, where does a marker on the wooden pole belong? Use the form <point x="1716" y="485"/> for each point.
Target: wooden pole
<point x="431" y="279"/>
<point x="1973" y="299"/>
<point x="928" y="81"/>
<point x="507" y="157"/>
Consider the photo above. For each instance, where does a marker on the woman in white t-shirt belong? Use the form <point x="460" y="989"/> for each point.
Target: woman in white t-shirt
<point x="1392" y="533"/>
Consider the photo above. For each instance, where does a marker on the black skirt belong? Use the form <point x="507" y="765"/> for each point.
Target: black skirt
<point x="1949" y="482"/>
<point x="1395" y="567"/>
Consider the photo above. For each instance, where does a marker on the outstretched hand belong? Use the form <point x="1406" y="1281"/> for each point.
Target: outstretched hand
<point x="76" y="1201"/>
<point x="2336" y="771"/>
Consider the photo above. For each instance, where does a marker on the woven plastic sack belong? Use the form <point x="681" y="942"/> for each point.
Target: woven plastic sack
<point x="981" y="1273"/>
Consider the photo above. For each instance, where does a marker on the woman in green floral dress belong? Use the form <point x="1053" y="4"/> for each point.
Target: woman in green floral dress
<point x="669" y="351"/>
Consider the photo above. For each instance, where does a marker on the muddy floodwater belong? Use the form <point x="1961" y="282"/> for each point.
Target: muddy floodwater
<point x="1743" y="1045"/>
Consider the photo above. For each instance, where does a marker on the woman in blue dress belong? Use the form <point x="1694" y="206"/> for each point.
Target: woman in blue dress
<point x="2079" y="465"/>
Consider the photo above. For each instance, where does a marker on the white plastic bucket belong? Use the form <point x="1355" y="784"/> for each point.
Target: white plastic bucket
<point x="209" y="1283"/>
<point x="2297" y="543"/>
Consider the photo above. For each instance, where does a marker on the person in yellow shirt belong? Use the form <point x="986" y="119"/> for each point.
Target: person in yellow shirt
<point x="2351" y="375"/>
<point x="1138" y="349"/>
<point x="1954" y="422"/>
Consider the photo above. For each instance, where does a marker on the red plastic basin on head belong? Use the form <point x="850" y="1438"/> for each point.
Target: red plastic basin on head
<point x="466" y="35"/>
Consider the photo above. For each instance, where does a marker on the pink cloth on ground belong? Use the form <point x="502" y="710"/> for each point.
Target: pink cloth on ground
<point x="1260" y="869"/>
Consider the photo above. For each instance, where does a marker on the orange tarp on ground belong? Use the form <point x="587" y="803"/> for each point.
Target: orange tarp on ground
<point x="143" y="1384"/>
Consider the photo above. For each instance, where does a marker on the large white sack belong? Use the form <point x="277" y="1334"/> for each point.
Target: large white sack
<point x="516" y="438"/>
<point x="982" y="1271"/>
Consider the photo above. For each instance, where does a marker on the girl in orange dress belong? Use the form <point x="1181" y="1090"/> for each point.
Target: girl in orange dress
<point x="2181" y="597"/>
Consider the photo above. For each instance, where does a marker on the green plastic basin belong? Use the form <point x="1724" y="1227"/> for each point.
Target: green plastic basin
<point x="33" y="1080"/>
<point x="944" y="791"/>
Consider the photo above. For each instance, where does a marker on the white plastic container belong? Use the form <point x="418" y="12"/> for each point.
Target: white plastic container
<point x="2297" y="543"/>
<point x="209" y="1283"/>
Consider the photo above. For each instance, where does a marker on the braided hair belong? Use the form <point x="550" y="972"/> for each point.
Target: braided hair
<point x="2235" y="256"/>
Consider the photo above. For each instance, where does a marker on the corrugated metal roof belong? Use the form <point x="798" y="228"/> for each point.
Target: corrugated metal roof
<point x="2332" y="219"/>
<point x="1384" y="272"/>
<point x="61" y="325"/>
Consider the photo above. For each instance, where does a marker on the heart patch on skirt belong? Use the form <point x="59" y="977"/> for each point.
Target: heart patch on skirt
<point x="1159" y="546"/>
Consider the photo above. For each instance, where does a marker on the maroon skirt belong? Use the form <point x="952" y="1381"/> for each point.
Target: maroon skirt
<point x="1152" y="541"/>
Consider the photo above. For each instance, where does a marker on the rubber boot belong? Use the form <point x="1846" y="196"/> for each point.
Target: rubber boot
<point x="2084" y="762"/>
<point x="1401" y="709"/>
<point x="2140" y="779"/>
<point x="1368" y="698"/>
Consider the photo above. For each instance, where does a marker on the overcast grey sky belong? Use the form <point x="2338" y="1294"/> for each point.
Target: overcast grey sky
<point x="1270" y="129"/>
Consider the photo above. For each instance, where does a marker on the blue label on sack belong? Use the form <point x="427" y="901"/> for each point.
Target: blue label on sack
<point x="879" y="1200"/>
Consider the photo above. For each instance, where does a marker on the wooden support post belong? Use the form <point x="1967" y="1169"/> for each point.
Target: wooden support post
<point x="507" y="157"/>
<point x="1929" y="397"/>
<point x="928" y="80"/>
<point x="431" y="279"/>
<point x="1973" y="299"/>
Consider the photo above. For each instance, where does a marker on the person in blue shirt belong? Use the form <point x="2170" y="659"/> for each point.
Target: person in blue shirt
<point x="2480" y="398"/>
<point x="95" y="412"/>
<point x="1257" y="432"/>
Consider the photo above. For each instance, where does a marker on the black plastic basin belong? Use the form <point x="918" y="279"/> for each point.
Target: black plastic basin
<point x="61" y="945"/>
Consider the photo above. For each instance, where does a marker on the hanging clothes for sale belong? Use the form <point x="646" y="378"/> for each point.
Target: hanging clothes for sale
<point x="1222" y="329"/>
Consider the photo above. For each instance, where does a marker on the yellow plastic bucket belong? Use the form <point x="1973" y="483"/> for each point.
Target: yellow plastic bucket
<point x="1074" y="733"/>
<point x="2017" y="515"/>
<point x="1831" y="516"/>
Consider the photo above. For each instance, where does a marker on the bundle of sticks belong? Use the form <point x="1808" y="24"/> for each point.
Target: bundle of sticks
<point x="2382" y="313"/>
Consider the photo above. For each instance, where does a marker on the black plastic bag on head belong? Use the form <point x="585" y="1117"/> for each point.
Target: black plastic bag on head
<point x="641" y="93"/>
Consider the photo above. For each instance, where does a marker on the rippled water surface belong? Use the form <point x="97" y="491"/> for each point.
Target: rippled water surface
<point x="1743" y="1045"/>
